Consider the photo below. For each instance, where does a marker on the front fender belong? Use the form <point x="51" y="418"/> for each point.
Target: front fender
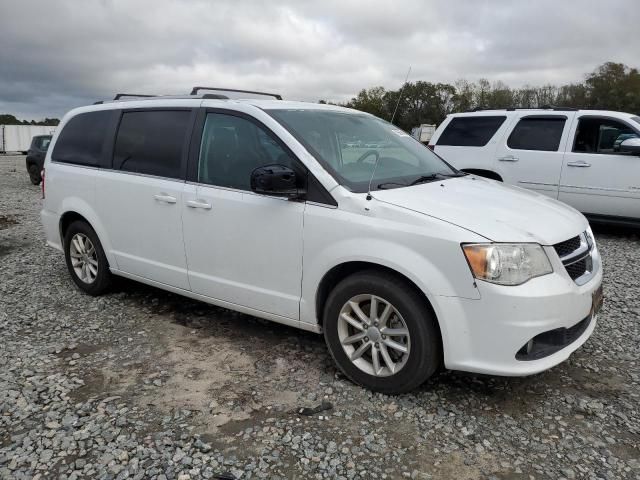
<point x="430" y="257"/>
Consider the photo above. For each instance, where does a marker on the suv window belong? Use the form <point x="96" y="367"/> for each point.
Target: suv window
<point x="470" y="131"/>
<point x="81" y="141"/>
<point x="535" y="133"/>
<point x="601" y="135"/>
<point x="151" y="142"/>
<point x="232" y="147"/>
<point x="40" y="143"/>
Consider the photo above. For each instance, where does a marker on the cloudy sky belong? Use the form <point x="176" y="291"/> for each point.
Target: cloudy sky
<point x="55" y="55"/>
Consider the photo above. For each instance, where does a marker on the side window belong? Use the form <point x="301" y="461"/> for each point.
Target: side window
<point x="81" y="141"/>
<point x="470" y="131"/>
<point x="44" y="143"/>
<point x="151" y="142"/>
<point x="537" y="133"/>
<point x="232" y="147"/>
<point x="601" y="135"/>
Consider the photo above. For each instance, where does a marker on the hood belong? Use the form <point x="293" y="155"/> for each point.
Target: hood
<point x="498" y="212"/>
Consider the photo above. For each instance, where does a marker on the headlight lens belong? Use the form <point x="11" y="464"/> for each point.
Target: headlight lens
<point x="507" y="263"/>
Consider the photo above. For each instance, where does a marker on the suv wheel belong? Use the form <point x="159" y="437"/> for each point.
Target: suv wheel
<point x="380" y="333"/>
<point x="86" y="260"/>
<point x="34" y="174"/>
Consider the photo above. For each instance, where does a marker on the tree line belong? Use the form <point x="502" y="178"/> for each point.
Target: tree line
<point x="611" y="86"/>
<point x="6" y="119"/>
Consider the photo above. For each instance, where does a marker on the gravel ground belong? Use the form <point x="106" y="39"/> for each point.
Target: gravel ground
<point x="145" y="384"/>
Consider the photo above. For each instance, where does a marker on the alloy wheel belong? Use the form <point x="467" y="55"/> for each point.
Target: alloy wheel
<point x="84" y="258"/>
<point x="374" y="335"/>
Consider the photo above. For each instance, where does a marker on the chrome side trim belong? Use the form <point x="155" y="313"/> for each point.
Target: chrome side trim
<point x="587" y="187"/>
<point x="538" y="183"/>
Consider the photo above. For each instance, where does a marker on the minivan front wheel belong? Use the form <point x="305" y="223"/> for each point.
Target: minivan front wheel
<point x="86" y="261"/>
<point x="380" y="332"/>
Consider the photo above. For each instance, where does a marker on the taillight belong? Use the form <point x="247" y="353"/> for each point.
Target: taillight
<point x="42" y="175"/>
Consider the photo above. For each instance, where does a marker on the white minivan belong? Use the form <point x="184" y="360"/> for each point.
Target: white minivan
<point x="326" y="219"/>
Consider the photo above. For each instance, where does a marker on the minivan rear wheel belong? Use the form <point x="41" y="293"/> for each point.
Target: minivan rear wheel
<point x="86" y="261"/>
<point x="381" y="333"/>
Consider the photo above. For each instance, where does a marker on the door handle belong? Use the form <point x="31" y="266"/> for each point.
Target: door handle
<point x="163" y="197"/>
<point x="508" y="158"/>
<point x="578" y="164"/>
<point x="198" y="204"/>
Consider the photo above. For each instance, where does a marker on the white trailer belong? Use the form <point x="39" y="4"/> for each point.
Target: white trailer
<point x="17" y="138"/>
<point x="424" y="132"/>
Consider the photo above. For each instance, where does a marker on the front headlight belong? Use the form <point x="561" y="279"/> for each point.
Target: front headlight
<point x="507" y="263"/>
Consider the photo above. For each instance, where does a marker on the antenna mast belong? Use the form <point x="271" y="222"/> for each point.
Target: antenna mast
<point x="400" y="96"/>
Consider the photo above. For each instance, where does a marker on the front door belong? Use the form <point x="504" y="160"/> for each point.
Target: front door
<point x="597" y="178"/>
<point x="531" y="154"/>
<point x="242" y="248"/>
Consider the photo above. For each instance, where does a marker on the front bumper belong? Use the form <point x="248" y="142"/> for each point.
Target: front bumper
<point x="488" y="335"/>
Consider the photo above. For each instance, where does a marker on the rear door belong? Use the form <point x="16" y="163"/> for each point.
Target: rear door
<point x="597" y="178"/>
<point x="243" y="248"/>
<point x="469" y="141"/>
<point x="531" y="151"/>
<point x="140" y="196"/>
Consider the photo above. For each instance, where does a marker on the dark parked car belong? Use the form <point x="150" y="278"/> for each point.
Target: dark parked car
<point x="35" y="157"/>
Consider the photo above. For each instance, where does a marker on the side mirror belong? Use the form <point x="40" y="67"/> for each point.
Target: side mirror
<point x="631" y="145"/>
<point x="276" y="180"/>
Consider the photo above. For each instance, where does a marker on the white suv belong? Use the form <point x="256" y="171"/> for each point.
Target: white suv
<point x="589" y="159"/>
<point x="326" y="219"/>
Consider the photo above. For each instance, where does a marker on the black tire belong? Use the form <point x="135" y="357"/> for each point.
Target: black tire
<point x="34" y="174"/>
<point x="424" y="356"/>
<point x="103" y="278"/>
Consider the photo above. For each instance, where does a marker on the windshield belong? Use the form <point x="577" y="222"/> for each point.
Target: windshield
<point x="348" y="145"/>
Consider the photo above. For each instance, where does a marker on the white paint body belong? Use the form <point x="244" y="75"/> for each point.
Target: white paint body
<point x="596" y="184"/>
<point x="267" y="256"/>
<point x="17" y="138"/>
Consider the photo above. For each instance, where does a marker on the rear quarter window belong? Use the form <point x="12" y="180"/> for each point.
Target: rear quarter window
<point x="470" y="131"/>
<point x="535" y="133"/>
<point x="82" y="139"/>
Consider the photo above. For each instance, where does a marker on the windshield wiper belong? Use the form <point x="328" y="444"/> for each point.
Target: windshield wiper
<point x="385" y="185"/>
<point x="421" y="179"/>
<point x="425" y="178"/>
<point x="435" y="176"/>
<point x="451" y="175"/>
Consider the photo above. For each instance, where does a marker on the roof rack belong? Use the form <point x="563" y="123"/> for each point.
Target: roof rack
<point x="194" y="93"/>
<point x="214" y="96"/>
<point x="513" y="109"/>
<point x="120" y="95"/>
<point x="195" y="90"/>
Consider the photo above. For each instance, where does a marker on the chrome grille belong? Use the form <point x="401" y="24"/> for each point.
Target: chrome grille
<point x="568" y="246"/>
<point x="576" y="256"/>
<point x="577" y="269"/>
